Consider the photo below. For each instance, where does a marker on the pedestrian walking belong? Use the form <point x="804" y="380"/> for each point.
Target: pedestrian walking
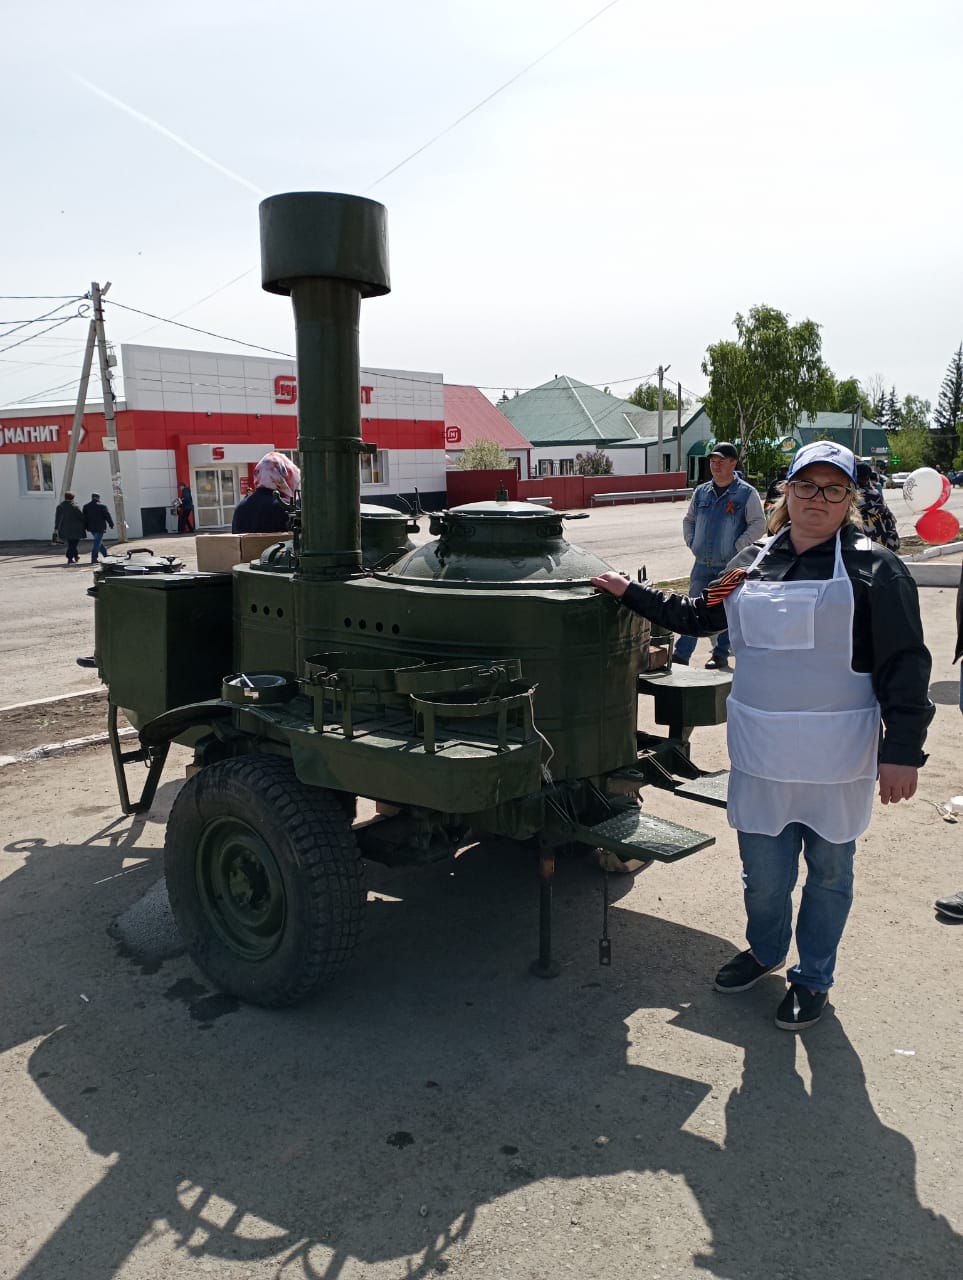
<point x="724" y="515"/>
<point x="829" y="648"/>
<point x="69" y="525"/>
<point x="184" y="508"/>
<point x="98" y="520"/>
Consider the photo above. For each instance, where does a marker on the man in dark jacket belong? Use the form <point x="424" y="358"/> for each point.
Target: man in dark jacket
<point x="98" y="520"/>
<point x="952" y="906"/>
<point x="69" y="525"/>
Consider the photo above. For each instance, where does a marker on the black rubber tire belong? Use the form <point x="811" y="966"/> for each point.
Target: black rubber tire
<point x="265" y="880"/>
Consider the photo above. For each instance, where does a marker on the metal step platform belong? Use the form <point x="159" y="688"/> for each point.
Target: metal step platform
<point x="634" y="834"/>
<point x="710" y="788"/>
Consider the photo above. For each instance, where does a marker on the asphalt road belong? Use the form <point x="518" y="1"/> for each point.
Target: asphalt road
<point x="49" y="617"/>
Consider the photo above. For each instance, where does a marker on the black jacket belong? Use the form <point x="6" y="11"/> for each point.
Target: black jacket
<point x="69" y="522"/>
<point x="958" y="652"/>
<point x="98" y="518"/>
<point x="887" y="630"/>
<point x="260" y="512"/>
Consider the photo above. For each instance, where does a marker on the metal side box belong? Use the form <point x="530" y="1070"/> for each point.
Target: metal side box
<point x="163" y="640"/>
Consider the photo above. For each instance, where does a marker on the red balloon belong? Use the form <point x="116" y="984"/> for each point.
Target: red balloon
<point x="947" y="490"/>
<point x="937" y="526"/>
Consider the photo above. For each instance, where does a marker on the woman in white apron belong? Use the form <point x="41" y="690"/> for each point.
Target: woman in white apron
<point x="805" y="713"/>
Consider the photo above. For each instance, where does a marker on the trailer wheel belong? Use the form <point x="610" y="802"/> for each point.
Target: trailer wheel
<point x="265" y="880"/>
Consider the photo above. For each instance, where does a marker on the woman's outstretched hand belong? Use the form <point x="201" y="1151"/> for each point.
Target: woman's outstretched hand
<point x="613" y="583"/>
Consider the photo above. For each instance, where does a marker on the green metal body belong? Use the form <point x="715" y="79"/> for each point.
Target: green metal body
<point x="530" y="680"/>
<point x="479" y="679"/>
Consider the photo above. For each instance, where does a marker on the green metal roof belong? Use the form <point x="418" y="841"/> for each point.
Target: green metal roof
<point x="566" y="411"/>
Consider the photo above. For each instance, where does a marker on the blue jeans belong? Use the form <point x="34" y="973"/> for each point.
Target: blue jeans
<point x="701" y="576"/>
<point x="97" y="547"/>
<point x="770" y="865"/>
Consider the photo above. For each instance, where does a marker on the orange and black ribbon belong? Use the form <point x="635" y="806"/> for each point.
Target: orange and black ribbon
<point x="718" y="591"/>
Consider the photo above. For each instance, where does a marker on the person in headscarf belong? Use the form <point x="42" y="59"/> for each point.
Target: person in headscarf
<point x="266" y="509"/>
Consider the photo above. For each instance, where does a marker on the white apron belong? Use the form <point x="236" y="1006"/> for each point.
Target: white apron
<point x="803" y="727"/>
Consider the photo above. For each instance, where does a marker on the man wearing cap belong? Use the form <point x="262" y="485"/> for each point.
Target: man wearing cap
<point x="826" y="631"/>
<point x="724" y="516"/>
<point x="98" y="520"/>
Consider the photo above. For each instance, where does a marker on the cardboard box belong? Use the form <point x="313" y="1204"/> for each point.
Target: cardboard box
<point x="220" y="552"/>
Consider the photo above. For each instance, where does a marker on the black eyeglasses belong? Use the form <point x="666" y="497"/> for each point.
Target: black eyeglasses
<point x="807" y="489"/>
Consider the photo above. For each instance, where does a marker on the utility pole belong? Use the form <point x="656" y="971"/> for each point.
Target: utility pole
<point x="662" y="373"/>
<point x="859" y="430"/>
<point x="678" y="428"/>
<point x="110" y="423"/>
<point x="77" y="427"/>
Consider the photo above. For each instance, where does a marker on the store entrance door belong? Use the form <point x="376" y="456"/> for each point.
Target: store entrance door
<point x="215" y="496"/>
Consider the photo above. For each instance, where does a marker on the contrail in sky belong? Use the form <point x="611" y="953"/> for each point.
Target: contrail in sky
<point x="159" y="128"/>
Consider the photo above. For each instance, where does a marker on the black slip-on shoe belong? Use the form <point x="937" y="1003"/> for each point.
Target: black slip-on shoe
<point x="742" y="972"/>
<point x="718" y="663"/>
<point x="800" y="1008"/>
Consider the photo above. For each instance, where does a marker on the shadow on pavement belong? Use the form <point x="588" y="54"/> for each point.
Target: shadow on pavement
<point x="436" y="1078"/>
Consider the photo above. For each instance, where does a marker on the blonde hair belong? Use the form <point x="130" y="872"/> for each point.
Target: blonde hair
<point x="779" y="512"/>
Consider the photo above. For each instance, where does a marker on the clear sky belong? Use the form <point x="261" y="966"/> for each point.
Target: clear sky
<point x="610" y="209"/>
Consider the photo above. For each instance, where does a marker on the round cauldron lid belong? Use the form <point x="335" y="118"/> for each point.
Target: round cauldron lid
<point x="378" y="513"/>
<point x="487" y="510"/>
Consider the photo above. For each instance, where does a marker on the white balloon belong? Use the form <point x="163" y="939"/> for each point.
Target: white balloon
<point x="922" y="488"/>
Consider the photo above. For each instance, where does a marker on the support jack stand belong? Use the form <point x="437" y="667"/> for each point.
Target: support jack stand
<point x="154" y="757"/>
<point x="545" y="966"/>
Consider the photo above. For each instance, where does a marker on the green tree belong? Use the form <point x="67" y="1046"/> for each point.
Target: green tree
<point x="484" y="455"/>
<point x="948" y="418"/>
<point x="762" y="383"/>
<point x="596" y="463"/>
<point x="915" y="414"/>
<point x="646" y="396"/>
<point x="894" y="411"/>
<point x="851" y="395"/>
<point x="911" y="446"/>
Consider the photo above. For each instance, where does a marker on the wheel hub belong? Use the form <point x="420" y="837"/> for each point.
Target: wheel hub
<point x="241" y="888"/>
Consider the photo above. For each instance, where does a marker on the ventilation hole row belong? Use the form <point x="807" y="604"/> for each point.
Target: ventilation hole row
<point x="362" y="625"/>
<point x="266" y="610"/>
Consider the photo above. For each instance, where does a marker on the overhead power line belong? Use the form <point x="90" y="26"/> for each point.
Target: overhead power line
<point x="39" y="297"/>
<point x="24" y="324"/>
<point x="221" y="337"/>
<point x="30" y="338"/>
<point x="494" y="94"/>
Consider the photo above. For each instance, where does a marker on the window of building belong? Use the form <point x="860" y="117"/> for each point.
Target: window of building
<point x="546" y="467"/>
<point x="566" y="467"/>
<point x="374" y="467"/>
<point x="38" y="472"/>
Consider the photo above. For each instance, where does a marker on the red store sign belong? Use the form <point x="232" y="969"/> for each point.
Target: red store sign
<point x="286" y="390"/>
